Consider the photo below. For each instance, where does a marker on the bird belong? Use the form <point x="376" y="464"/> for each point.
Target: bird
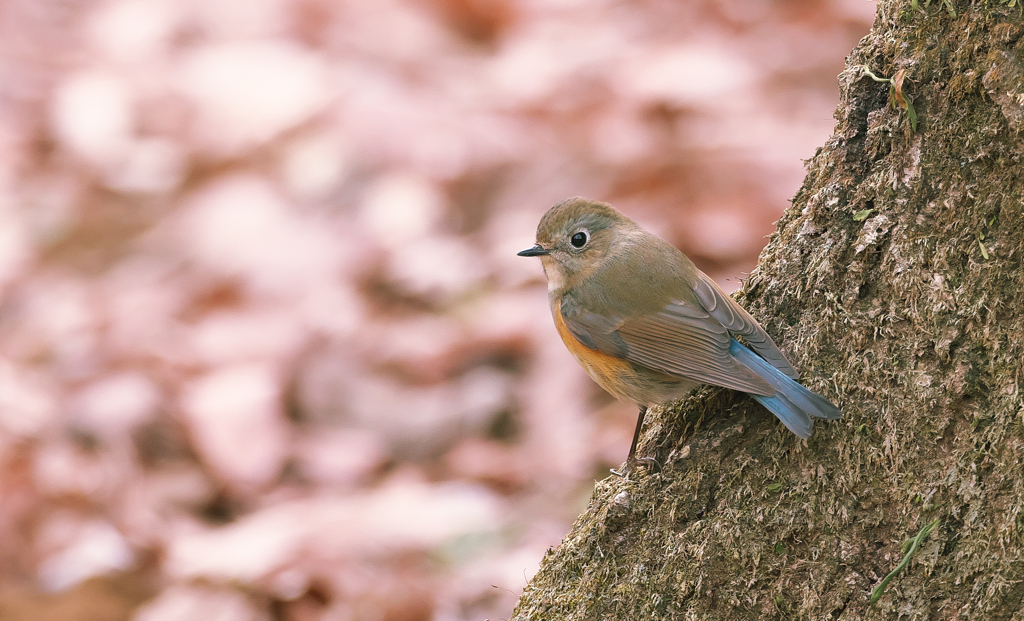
<point x="649" y="327"/>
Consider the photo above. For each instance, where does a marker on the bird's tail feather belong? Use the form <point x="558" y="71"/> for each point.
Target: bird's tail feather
<point x="792" y="403"/>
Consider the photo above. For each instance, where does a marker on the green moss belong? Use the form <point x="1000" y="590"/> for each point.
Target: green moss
<point x="902" y="321"/>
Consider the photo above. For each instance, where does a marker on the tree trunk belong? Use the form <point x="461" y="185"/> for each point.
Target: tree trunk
<point x="895" y="284"/>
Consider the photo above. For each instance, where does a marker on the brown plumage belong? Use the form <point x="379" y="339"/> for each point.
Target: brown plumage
<point x="648" y="326"/>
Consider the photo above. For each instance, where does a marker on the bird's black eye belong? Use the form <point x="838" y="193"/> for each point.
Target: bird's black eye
<point x="578" y="240"/>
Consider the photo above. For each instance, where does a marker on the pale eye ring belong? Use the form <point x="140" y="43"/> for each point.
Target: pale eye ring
<point x="579" y="239"/>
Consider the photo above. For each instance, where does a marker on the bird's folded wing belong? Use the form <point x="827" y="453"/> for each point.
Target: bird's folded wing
<point x="683" y="339"/>
<point x="738" y="321"/>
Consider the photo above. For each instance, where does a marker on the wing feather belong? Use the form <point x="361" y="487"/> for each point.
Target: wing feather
<point x="683" y="340"/>
<point x="738" y="321"/>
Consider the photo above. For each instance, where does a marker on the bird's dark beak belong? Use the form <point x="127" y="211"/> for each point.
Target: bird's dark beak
<point x="536" y="251"/>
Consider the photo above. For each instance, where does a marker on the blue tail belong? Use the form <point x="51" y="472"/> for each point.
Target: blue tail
<point x="792" y="403"/>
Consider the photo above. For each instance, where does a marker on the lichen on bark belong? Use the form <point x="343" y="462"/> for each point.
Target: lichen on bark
<point x="910" y="317"/>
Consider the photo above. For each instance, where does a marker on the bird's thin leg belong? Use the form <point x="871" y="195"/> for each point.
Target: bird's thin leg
<point x="636" y="434"/>
<point x="631" y="459"/>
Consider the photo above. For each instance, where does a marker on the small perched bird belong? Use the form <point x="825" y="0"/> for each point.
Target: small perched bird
<point x="649" y="327"/>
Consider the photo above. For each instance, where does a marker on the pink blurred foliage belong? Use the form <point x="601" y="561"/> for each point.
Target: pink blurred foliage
<point x="265" y="348"/>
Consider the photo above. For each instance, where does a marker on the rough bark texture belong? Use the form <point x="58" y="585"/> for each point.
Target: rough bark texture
<point x="895" y="284"/>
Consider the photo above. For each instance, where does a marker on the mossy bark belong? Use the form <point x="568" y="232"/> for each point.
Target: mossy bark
<point x="895" y="284"/>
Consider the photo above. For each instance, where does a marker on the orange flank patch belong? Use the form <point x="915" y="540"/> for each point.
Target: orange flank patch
<point x="610" y="372"/>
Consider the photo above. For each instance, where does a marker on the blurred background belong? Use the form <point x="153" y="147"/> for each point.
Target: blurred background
<point x="266" y="350"/>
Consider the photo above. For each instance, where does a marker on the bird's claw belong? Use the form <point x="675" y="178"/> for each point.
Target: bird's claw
<point x="633" y="462"/>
